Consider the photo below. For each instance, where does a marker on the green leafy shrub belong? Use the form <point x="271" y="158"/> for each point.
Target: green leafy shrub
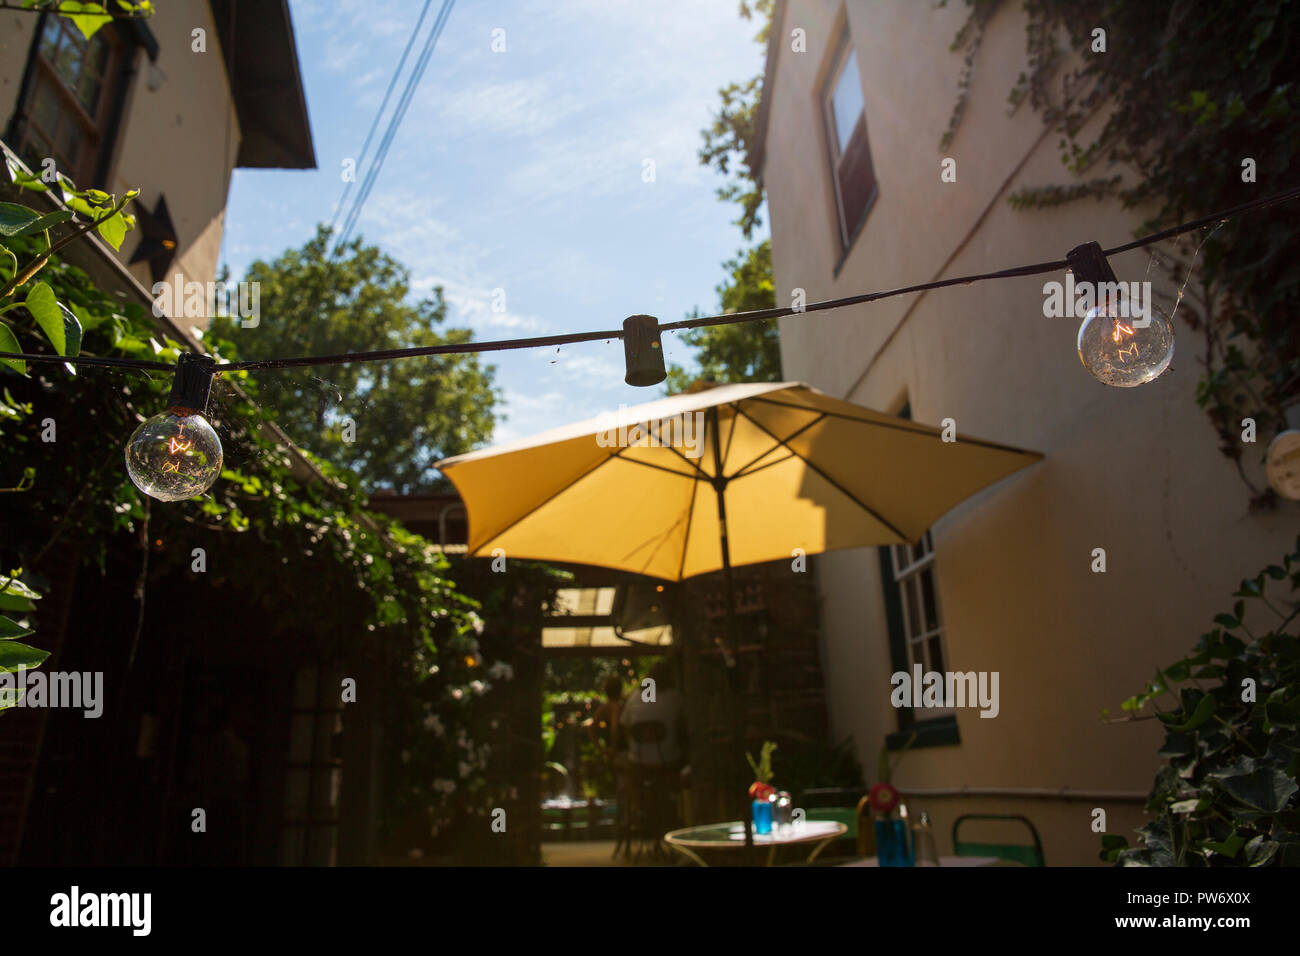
<point x="1227" y="795"/>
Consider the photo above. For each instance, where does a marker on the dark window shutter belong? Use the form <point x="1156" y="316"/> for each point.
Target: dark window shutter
<point x="857" y="177"/>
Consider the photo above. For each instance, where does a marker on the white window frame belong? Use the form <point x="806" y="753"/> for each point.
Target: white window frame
<point x="920" y="558"/>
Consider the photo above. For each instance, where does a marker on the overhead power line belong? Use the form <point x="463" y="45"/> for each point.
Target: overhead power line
<point x="408" y="93"/>
<point x="374" y="124"/>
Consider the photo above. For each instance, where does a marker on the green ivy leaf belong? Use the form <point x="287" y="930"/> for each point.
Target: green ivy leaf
<point x="1283" y="714"/>
<point x="17" y="588"/>
<point x="1203" y="712"/>
<point x="15" y="602"/>
<point x="11" y="629"/>
<point x="71" y="331"/>
<point x="86" y="17"/>
<point x="17" y="220"/>
<point x="1260" y="851"/>
<point x="1229" y="847"/>
<point x="1266" y="788"/>
<point x="44" y="307"/>
<point x="10" y="344"/>
<point x="14" y="655"/>
<point x="113" y="229"/>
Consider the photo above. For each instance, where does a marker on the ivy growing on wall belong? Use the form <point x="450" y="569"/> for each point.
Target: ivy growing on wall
<point x="1178" y="109"/>
<point x="1227" y="793"/>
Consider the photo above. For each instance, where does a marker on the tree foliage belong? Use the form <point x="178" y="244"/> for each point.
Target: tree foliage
<point x="750" y="351"/>
<point x="729" y="139"/>
<point x="745" y="352"/>
<point x="404" y="414"/>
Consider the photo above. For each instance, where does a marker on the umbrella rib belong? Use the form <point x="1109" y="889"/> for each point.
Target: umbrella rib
<point x="698" y="476"/>
<point x="740" y="472"/>
<point x="690" y="514"/>
<point x="835" y="484"/>
<point x="745" y="474"/>
<point x="735" y="406"/>
<point x="915" y="428"/>
<point x="699" y="472"/>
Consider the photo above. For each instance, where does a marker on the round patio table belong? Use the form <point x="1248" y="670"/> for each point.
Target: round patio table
<point x="731" y="836"/>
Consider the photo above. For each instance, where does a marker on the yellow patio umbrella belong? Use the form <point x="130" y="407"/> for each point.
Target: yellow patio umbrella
<point x="735" y="474"/>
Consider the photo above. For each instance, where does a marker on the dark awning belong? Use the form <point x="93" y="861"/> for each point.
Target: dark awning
<point x="263" y="60"/>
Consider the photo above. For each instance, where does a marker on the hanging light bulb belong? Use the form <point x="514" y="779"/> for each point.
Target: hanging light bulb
<point x="1117" y="346"/>
<point x="176" y="454"/>
<point x="1118" y="350"/>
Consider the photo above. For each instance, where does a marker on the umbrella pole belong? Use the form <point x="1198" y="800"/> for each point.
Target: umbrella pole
<point x="733" y="641"/>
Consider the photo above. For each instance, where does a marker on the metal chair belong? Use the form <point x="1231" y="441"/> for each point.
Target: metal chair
<point x="840" y="805"/>
<point x="1016" y="852"/>
<point x="648" y="813"/>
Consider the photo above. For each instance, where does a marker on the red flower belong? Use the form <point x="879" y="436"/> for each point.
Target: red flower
<point x="761" y="791"/>
<point x="883" y="798"/>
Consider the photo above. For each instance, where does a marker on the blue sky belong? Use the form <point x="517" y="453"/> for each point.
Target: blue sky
<point x="522" y="171"/>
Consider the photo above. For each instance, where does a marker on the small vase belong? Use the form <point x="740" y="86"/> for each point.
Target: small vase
<point x="782" y="812"/>
<point x="891" y="843"/>
<point x="761" y="810"/>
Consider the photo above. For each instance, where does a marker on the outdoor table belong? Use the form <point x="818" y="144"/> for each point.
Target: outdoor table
<point x="945" y="861"/>
<point x="731" y="836"/>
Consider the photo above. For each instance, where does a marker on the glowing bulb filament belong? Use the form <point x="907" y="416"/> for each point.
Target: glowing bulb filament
<point x="1120" y="327"/>
<point x="175" y="445"/>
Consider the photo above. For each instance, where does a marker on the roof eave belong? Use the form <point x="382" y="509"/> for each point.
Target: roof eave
<point x="757" y="147"/>
<point x="266" y="85"/>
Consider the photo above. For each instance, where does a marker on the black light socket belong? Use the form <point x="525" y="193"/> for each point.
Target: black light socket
<point x="193" y="382"/>
<point x="1088" y="263"/>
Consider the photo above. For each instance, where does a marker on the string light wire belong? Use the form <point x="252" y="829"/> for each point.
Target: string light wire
<point x="760" y="315"/>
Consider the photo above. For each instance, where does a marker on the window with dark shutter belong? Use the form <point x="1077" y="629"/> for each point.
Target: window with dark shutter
<point x="71" y="89"/>
<point x="846" y="126"/>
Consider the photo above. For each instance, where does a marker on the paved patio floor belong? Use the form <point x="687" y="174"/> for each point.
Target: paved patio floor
<point x="594" y="853"/>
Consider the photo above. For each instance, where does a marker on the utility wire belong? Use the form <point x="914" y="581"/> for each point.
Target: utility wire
<point x="365" y="147"/>
<point x="408" y="93"/>
<point x="760" y="315"/>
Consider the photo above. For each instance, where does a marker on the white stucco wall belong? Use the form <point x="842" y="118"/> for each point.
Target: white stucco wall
<point x="178" y="139"/>
<point x="1134" y="471"/>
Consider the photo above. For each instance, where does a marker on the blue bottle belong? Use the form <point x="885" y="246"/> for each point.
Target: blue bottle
<point x="761" y="811"/>
<point x="891" y="843"/>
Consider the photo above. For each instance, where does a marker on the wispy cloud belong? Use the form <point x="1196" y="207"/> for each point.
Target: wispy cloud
<point x="484" y="310"/>
<point x="523" y="171"/>
<point x="524" y="107"/>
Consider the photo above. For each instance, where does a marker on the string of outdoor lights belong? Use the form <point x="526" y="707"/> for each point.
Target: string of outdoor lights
<point x="176" y="454"/>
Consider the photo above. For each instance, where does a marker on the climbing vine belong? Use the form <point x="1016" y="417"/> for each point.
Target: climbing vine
<point x="296" y="528"/>
<point x="1227" y="793"/>
<point x="1178" y="109"/>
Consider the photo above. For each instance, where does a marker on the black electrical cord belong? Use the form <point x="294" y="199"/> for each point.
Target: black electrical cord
<point x="760" y="315"/>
